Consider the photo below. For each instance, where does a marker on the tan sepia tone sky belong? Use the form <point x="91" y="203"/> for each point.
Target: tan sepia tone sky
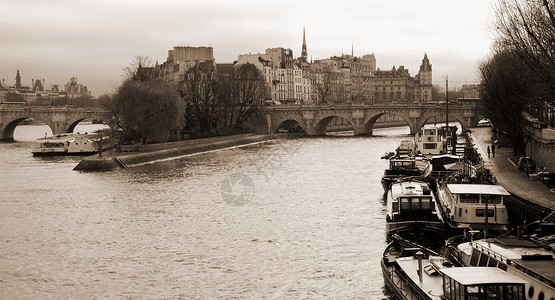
<point x="94" y="40"/>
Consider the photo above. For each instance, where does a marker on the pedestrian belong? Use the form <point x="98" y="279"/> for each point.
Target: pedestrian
<point x="493" y="150"/>
<point x="488" y="151"/>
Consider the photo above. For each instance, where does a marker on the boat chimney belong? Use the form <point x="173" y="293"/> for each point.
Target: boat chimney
<point x="419" y="255"/>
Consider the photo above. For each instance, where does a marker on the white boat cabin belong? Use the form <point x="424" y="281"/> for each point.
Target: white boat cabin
<point x="434" y="140"/>
<point x="467" y="203"/>
<point x="411" y="200"/>
<point x="477" y="283"/>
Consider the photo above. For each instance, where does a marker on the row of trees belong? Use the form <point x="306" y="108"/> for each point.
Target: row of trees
<point x="520" y="74"/>
<point x="149" y="108"/>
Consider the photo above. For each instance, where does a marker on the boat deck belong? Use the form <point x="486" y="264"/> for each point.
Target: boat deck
<point x="431" y="284"/>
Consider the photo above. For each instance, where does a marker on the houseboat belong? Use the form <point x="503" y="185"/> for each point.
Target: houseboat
<point x="520" y="257"/>
<point x="412" y="212"/>
<point x="435" y="140"/>
<point x="473" y="207"/>
<point x="71" y="144"/>
<point x="416" y="273"/>
<point x="405" y="167"/>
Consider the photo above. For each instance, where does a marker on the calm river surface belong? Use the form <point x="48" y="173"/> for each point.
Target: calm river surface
<point x="288" y="219"/>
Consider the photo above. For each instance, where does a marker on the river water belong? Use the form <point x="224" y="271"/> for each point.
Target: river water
<point x="288" y="219"/>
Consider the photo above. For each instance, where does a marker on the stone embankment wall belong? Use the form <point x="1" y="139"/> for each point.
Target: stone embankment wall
<point x="541" y="148"/>
<point x="160" y="152"/>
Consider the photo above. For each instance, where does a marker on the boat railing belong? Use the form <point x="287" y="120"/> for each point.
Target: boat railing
<point x="406" y="285"/>
<point x="514" y="264"/>
<point x="442" y="174"/>
<point x="492" y="253"/>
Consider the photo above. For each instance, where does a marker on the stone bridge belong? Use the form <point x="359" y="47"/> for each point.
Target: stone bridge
<point x="314" y="119"/>
<point x="61" y="119"/>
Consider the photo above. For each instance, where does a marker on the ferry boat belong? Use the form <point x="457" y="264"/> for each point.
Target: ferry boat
<point x="435" y="140"/>
<point x="417" y="273"/>
<point x="473" y="207"/>
<point x="71" y="144"/>
<point x="520" y="257"/>
<point x="412" y="212"/>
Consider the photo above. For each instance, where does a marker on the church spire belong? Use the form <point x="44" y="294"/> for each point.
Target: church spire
<point x="17" y="80"/>
<point x="304" y="53"/>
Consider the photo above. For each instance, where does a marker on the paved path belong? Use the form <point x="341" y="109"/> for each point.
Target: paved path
<point x="508" y="175"/>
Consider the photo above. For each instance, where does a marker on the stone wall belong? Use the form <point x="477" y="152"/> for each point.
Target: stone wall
<point x="541" y="147"/>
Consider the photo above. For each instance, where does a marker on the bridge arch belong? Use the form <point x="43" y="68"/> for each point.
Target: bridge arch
<point x="283" y="120"/>
<point x="441" y="120"/>
<point x="369" y="123"/>
<point x="9" y="129"/>
<point x="322" y="125"/>
<point x="290" y="125"/>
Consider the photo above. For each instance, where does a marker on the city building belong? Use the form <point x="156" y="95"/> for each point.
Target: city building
<point x="469" y="91"/>
<point x="395" y="85"/>
<point x="37" y="94"/>
<point x="73" y="89"/>
<point x="181" y="59"/>
<point x="423" y="81"/>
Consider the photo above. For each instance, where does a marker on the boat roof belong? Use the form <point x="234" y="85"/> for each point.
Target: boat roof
<point x="481" y="275"/>
<point x="464" y="188"/>
<point x="410" y="188"/>
<point x="68" y="137"/>
<point x="445" y="156"/>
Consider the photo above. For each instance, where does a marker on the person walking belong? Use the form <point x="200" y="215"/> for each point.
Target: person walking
<point x="493" y="150"/>
<point x="488" y="151"/>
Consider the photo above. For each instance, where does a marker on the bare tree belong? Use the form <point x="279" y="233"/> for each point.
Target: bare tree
<point x="202" y="91"/>
<point x="505" y="90"/>
<point x="142" y="68"/>
<point x="248" y="94"/>
<point x="325" y="82"/>
<point x="527" y="28"/>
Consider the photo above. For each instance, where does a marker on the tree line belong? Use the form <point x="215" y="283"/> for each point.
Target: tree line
<point x="148" y="108"/>
<point x="519" y="76"/>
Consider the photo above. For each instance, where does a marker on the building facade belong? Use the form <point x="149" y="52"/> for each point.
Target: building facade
<point x="395" y="85"/>
<point x="423" y="81"/>
<point x="181" y="59"/>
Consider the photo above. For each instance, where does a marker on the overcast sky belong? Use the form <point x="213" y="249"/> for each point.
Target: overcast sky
<point x="94" y="40"/>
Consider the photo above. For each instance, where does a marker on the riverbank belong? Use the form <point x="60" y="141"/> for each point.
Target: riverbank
<point x="532" y="200"/>
<point x="159" y="152"/>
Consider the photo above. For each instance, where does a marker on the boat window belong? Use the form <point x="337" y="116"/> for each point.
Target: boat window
<point x="483" y="260"/>
<point x="474" y="257"/>
<point x="492" y="263"/>
<point x="492" y="199"/>
<point x="447" y="287"/>
<point x="429" y="145"/>
<point x="482" y="212"/>
<point x="395" y="206"/>
<point x="405" y="203"/>
<point x="426" y="203"/>
<point x="514" y="292"/>
<point x="502" y="266"/>
<point x="494" y="292"/>
<point x="469" y="198"/>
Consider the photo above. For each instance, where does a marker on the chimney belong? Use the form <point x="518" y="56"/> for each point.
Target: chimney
<point x="419" y="255"/>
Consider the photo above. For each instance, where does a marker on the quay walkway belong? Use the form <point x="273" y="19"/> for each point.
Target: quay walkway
<point x="507" y="173"/>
